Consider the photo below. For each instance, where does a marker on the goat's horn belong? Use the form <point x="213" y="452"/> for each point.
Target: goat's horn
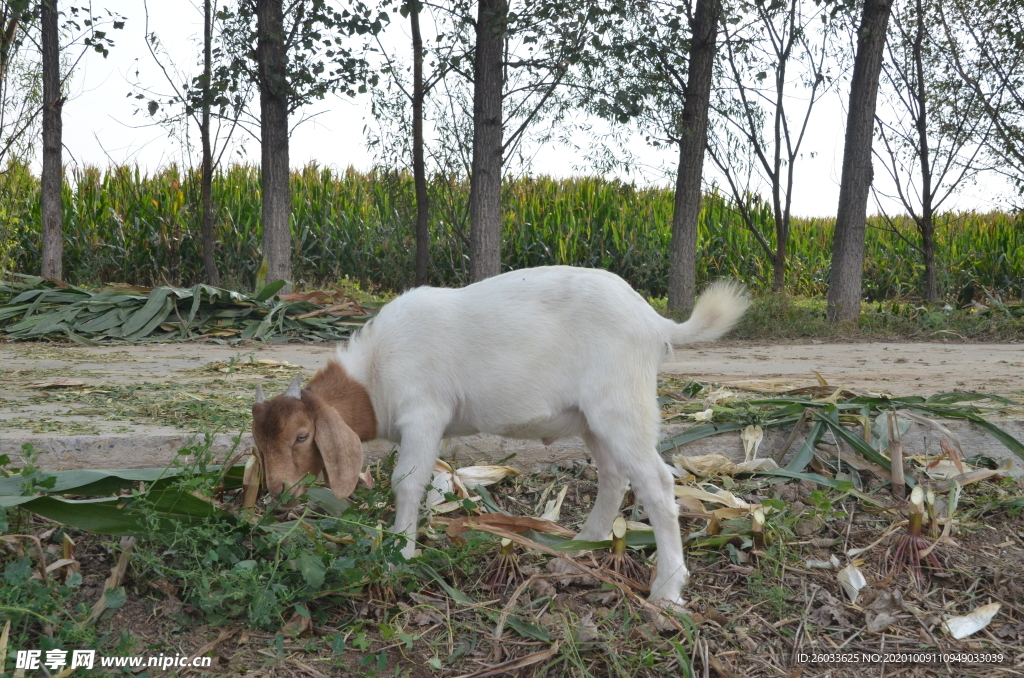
<point x="295" y="388"/>
<point x="259" y="395"/>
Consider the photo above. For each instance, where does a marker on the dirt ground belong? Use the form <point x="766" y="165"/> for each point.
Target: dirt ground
<point x="899" y="368"/>
<point x="896" y="368"/>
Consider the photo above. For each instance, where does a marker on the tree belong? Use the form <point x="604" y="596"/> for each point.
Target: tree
<point x="20" y="95"/>
<point x="682" y="282"/>
<point x="51" y="207"/>
<point x="206" y="189"/>
<point x="51" y="201"/>
<point x="488" y="128"/>
<point x="656" y="71"/>
<point x="779" y="50"/>
<point x="301" y="55"/>
<point x="848" y="242"/>
<point x="934" y="128"/>
<point x="419" y="169"/>
<point x="985" y="46"/>
<point x="501" y="71"/>
<point x="206" y="100"/>
<point x="272" y="60"/>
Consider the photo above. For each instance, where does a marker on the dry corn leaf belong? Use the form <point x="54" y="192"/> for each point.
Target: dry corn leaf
<point x="719" y="395"/>
<point x="4" y="636"/>
<point x="971" y="623"/>
<point x="553" y="509"/>
<point x="852" y="580"/>
<point x="472" y="476"/>
<point x="511" y="523"/>
<point x="692" y="505"/>
<point x="445" y="481"/>
<point x="727" y="499"/>
<point x="751" y="436"/>
<point x="58" y="383"/>
<point x="718" y="464"/>
<point x="251" y="478"/>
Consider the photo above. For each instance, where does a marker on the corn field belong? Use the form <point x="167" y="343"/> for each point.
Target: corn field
<point x="121" y="225"/>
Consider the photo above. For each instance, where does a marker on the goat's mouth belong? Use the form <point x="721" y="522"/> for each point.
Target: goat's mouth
<point x="287" y="497"/>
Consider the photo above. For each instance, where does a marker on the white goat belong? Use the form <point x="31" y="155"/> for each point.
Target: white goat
<point x="542" y="353"/>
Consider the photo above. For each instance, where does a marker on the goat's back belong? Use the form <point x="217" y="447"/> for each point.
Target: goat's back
<point x="520" y="346"/>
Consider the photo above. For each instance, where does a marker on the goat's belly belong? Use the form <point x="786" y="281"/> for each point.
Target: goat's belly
<point x="563" y="425"/>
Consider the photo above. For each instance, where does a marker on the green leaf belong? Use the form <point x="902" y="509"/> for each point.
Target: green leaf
<point x="999" y="434"/>
<point x="153" y="307"/>
<point x="821" y="480"/>
<point x="858" y="444"/>
<point x="115" y="598"/>
<point x="951" y="397"/>
<point x="18" y="571"/>
<point x="455" y="594"/>
<point x="270" y="290"/>
<point x="100" y="323"/>
<point x="312" y="569"/>
<point x="806" y="452"/>
<point x="159" y="317"/>
<point x="91" y="482"/>
<point x="325" y="499"/>
<point x="526" y="630"/>
<point x="698" y="432"/>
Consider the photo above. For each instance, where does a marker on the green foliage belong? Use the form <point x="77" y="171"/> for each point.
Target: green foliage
<point x="360" y="225"/>
<point x="31" y="604"/>
<point x="38" y="308"/>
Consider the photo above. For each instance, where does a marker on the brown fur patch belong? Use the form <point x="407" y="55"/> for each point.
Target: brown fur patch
<point x="348" y="396"/>
<point x="277" y="423"/>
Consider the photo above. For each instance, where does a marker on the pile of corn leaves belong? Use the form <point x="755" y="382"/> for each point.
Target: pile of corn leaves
<point x="36" y="307"/>
<point x="832" y="415"/>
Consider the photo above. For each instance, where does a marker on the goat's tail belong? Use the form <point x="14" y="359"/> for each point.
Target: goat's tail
<point x="715" y="313"/>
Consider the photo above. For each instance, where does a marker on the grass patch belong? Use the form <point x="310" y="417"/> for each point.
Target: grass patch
<point x="783" y="317"/>
<point x="324" y="586"/>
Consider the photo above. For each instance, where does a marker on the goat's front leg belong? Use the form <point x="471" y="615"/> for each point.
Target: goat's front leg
<point x="413" y="469"/>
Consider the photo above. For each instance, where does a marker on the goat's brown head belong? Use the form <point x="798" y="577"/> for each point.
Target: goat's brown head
<point x="298" y="433"/>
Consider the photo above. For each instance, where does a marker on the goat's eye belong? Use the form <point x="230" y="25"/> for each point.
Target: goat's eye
<point x="302" y="437"/>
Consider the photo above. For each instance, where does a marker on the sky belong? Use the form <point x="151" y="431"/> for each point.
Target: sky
<point x="103" y="126"/>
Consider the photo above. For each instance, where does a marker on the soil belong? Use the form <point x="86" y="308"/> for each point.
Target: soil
<point x="756" y="614"/>
<point x="903" y="368"/>
<point x="895" y="368"/>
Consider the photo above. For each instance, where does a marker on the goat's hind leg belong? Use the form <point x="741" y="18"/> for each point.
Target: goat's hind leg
<point x="633" y="450"/>
<point x="413" y="469"/>
<point x="611" y="487"/>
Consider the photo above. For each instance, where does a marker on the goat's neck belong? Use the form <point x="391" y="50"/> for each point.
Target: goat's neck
<point x="348" y="396"/>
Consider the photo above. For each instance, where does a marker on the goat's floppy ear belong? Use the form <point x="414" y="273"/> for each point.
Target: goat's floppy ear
<point x="340" y="447"/>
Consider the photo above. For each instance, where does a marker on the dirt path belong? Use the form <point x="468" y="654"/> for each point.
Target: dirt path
<point x="136" y="406"/>
<point x="898" y="368"/>
<point x="895" y="368"/>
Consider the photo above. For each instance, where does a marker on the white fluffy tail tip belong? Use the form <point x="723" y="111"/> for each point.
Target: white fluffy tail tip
<point x="717" y="310"/>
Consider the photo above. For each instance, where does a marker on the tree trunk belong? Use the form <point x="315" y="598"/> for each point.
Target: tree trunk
<point x="419" y="171"/>
<point x="848" y="243"/>
<point x="273" y="78"/>
<point x="206" y="190"/>
<point x="51" y="201"/>
<point x="682" y="267"/>
<point x="485" y="181"/>
<point x="927" y="223"/>
<point x="931" y="281"/>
